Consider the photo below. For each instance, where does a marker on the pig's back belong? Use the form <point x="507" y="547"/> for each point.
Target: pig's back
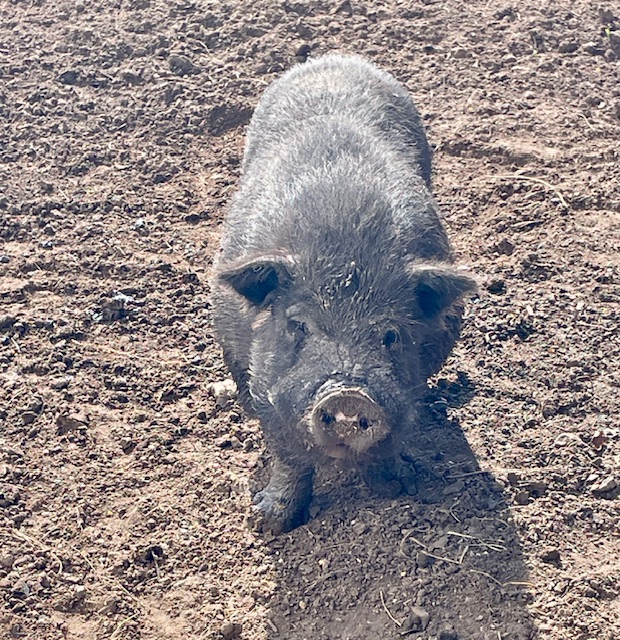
<point x="340" y="86"/>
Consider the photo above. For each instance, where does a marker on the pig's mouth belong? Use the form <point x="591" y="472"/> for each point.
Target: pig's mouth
<point x="346" y="422"/>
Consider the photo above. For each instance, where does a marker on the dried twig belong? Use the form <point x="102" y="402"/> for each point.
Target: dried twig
<point x="121" y="624"/>
<point x="491" y="545"/>
<point x="487" y="575"/>
<point x="587" y="121"/>
<point x="466" y="475"/>
<point x="392" y="618"/>
<point x="544" y="183"/>
<point x="509" y="583"/>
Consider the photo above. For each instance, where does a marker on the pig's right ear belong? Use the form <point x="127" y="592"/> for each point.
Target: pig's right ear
<point x="438" y="286"/>
<point x="259" y="279"/>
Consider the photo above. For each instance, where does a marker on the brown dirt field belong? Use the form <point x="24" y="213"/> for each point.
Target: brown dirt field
<point x="125" y="477"/>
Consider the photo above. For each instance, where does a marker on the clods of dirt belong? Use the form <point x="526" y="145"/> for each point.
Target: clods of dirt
<point x="126" y="466"/>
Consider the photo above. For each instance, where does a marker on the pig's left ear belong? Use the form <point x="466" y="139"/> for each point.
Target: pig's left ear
<point x="437" y="287"/>
<point x="260" y="278"/>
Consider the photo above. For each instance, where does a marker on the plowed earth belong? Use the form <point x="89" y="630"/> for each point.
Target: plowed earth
<point x="126" y="471"/>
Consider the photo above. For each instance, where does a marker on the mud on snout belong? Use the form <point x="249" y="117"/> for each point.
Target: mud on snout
<point x="345" y="421"/>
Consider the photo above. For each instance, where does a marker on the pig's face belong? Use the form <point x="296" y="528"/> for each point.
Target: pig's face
<point x="345" y="359"/>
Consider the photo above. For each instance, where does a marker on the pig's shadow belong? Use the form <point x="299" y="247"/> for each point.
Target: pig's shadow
<point x="445" y="562"/>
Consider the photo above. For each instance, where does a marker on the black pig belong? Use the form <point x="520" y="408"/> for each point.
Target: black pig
<point x="334" y="297"/>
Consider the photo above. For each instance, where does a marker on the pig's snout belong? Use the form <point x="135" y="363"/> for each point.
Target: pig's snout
<point x="346" y="411"/>
<point x="346" y="421"/>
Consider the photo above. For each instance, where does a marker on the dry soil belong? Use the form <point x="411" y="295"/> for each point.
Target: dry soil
<point x="126" y="470"/>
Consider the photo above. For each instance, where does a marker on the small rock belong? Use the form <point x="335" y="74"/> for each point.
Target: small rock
<point x="568" y="46"/>
<point x="302" y="52"/>
<point x="223" y="391"/>
<point x="598" y="440"/>
<point x="504" y="247"/>
<point x="109" y="606"/>
<point x="537" y="488"/>
<point x="181" y="65"/>
<point x="606" y="15"/>
<point x="418" y="620"/>
<point x="455" y="487"/>
<point x="551" y="556"/>
<point x="496" y="286"/>
<point x="192" y="218"/>
<point x="592" y="48"/>
<point x="522" y="497"/>
<point x="460" y="53"/>
<point x="422" y="559"/>
<point x="6" y="322"/>
<point x="49" y="230"/>
<point x="230" y="630"/>
<point x="4" y="259"/>
<point x="229" y="442"/>
<point x="6" y="561"/>
<point x="28" y="417"/>
<point x="61" y="383"/>
<point x="360" y="528"/>
<point x="605" y="486"/>
<point x="70" y="422"/>
<point x="21" y="587"/>
<point x="127" y="444"/>
<point x="447" y="634"/>
<point x="68" y="77"/>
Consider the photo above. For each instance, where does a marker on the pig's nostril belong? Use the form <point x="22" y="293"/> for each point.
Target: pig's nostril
<point x="326" y="418"/>
<point x="363" y="422"/>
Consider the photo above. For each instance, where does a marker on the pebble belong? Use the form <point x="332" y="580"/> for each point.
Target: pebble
<point x="568" y="46"/>
<point x="70" y="422"/>
<point x="6" y="322"/>
<point x="551" y="556"/>
<point x="68" y="77"/>
<point x="6" y="561"/>
<point x="460" y="53"/>
<point x="497" y="286"/>
<point x="223" y="391"/>
<point x="592" y="48"/>
<point x="522" y="497"/>
<point x="9" y="495"/>
<point x="61" y="383"/>
<point x="230" y="630"/>
<point x="181" y="65"/>
<point x="418" y="620"/>
<point x="422" y="560"/>
<point x="605" y="485"/>
<point x="21" y="587"/>
<point x="28" y="417"/>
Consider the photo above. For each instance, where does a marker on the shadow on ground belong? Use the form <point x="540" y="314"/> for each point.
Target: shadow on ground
<point x="443" y="564"/>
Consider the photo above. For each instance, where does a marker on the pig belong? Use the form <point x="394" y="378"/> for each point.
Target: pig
<point x="334" y="292"/>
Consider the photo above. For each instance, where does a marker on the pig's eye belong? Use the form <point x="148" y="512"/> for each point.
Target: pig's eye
<point x="391" y="338"/>
<point x="297" y="329"/>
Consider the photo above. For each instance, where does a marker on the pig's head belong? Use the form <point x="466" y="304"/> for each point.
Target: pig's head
<point x="340" y="348"/>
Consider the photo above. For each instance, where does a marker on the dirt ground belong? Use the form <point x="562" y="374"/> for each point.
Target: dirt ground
<point x="125" y="474"/>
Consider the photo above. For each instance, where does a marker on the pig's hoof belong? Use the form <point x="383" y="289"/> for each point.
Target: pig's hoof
<point x="274" y="513"/>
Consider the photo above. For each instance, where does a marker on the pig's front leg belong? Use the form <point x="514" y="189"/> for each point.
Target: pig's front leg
<point x="283" y="504"/>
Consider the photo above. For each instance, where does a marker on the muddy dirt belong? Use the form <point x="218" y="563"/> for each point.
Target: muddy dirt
<point x="126" y="469"/>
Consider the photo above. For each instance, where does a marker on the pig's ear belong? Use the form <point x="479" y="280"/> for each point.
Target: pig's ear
<point x="260" y="278"/>
<point x="437" y="287"/>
